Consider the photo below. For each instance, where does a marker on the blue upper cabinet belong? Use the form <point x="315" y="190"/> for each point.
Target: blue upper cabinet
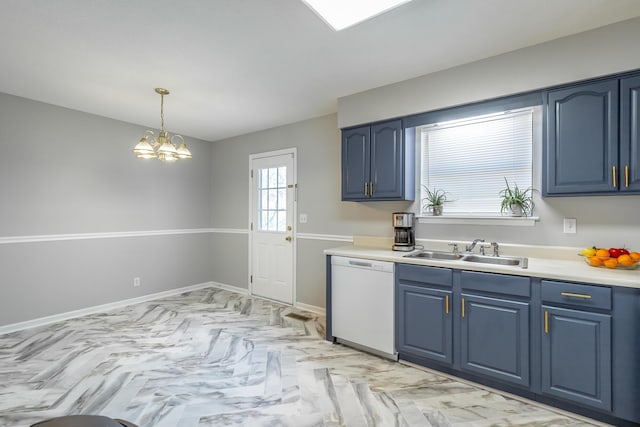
<point x="377" y="163"/>
<point x="387" y="160"/>
<point x="581" y="151"/>
<point x="629" y="137"/>
<point x="355" y="163"/>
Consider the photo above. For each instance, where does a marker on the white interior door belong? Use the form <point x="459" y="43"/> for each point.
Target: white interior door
<point x="272" y="220"/>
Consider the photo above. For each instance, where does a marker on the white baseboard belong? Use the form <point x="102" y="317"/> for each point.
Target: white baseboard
<point x="312" y="308"/>
<point x="230" y="288"/>
<point x="41" y="321"/>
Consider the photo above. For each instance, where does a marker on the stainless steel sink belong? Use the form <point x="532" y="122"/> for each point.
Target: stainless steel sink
<point x="482" y="259"/>
<point x="448" y="256"/>
<point x="503" y="260"/>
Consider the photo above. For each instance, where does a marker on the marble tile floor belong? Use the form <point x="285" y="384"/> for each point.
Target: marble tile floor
<point x="215" y="358"/>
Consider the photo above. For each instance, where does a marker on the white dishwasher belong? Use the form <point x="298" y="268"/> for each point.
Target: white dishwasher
<point x="362" y="304"/>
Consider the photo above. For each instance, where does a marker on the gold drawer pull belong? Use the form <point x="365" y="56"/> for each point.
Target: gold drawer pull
<point x="462" y="307"/>
<point x="626" y="176"/>
<point x="569" y="294"/>
<point x="446" y="304"/>
<point x="546" y="322"/>
<point x="615" y="183"/>
<point x="370" y="188"/>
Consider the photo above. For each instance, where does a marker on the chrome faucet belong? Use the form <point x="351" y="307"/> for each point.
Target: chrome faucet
<point x="473" y="244"/>
<point x="496" y="248"/>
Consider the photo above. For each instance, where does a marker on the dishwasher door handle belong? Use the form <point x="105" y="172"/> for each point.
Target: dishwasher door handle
<point x="360" y="263"/>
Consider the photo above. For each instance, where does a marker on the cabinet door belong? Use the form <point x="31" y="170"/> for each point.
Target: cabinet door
<point x="355" y="163"/>
<point x="495" y="338"/>
<point x="425" y="323"/>
<point x="387" y="160"/>
<point x="629" y="137"/>
<point x="576" y="356"/>
<point x="582" y="139"/>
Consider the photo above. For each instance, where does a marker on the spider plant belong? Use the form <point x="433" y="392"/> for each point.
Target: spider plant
<point x="516" y="200"/>
<point x="435" y="199"/>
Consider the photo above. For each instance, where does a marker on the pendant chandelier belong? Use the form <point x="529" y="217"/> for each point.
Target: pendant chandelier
<point x="163" y="147"/>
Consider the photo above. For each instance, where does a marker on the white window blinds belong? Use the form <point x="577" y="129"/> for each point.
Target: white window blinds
<point x="469" y="159"/>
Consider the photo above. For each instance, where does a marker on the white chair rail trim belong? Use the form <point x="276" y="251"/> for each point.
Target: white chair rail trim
<point x="330" y="237"/>
<point x="115" y="235"/>
<point x="150" y="233"/>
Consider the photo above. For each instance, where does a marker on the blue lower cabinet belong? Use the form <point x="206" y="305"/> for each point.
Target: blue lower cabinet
<point x="495" y="338"/>
<point x="576" y="356"/>
<point x="425" y="323"/>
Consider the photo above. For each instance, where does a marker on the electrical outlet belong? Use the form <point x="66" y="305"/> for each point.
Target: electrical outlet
<point x="570" y="225"/>
<point x="136" y="282"/>
<point x="303" y="218"/>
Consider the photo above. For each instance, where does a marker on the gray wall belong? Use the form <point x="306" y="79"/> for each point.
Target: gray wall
<point x="67" y="172"/>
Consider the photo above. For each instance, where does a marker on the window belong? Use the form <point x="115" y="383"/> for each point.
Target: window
<point x="272" y="193"/>
<point x="470" y="159"/>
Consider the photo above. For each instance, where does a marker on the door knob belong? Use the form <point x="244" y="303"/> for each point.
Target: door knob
<point x="288" y="238"/>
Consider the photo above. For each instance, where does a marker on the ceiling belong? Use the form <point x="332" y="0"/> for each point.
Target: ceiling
<point x="239" y="66"/>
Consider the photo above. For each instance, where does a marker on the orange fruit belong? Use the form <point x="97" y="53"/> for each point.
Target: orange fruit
<point x="602" y="253"/>
<point x="635" y="256"/>
<point x="595" y="261"/>
<point x="626" y="260"/>
<point x="610" y="263"/>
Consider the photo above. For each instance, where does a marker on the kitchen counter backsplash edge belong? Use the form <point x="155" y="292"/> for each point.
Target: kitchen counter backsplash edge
<point x="549" y="262"/>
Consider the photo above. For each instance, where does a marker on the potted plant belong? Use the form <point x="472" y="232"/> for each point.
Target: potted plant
<point x="518" y="202"/>
<point x="435" y="200"/>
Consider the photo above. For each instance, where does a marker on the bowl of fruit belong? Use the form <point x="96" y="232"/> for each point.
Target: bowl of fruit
<point x="611" y="258"/>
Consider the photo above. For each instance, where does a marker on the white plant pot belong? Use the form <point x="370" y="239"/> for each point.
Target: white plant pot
<point x="516" y="210"/>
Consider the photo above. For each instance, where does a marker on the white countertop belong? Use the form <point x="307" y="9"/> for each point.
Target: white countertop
<point x="565" y="265"/>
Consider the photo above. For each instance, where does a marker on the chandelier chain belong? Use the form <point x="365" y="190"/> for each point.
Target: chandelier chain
<point x="162" y="112"/>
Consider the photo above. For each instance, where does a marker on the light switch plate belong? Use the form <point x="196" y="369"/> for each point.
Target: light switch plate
<point x="303" y="218"/>
<point x="570" y="225"/>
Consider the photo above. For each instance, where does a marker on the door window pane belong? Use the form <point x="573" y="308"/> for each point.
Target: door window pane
<point x="272" y="192"/>
<point x="282" y="177"/>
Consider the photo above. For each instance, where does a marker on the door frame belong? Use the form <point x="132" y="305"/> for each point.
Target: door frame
<point x="293" y="151"/>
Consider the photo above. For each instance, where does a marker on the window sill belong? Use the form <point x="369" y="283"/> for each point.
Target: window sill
<point x="528" y="221"/>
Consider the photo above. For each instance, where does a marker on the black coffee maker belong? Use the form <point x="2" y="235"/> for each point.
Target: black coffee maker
<point x="404" y="236"/>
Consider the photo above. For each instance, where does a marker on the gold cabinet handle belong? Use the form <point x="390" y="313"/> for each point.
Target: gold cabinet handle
<point x="366" y="188"/>
<point x="569" y="294"/>
<point x="370" y="188"/>
<point x="626" y="176"/>
<point x="288" y="238"/>
<point x="546" y="322"/>
<point x="615" y="182"/>
<point x="446" y="304"/>
<point x="462" y="307"/>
